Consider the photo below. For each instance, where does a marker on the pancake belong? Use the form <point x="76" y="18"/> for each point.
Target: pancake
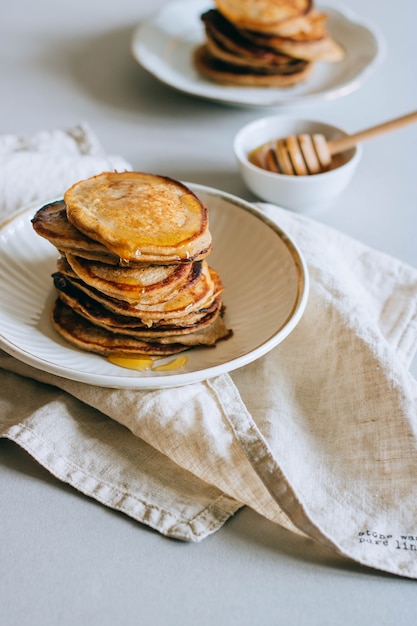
<point x="51" y="222"/>
<point x="264" y="43"/>
<point x="259" y="14"/>
<point x="140" y="217"/>
<point x="238" y="74"/>
<point x="310" y="43"/>
<point x="207" y="331"/>
<point x="228" y="44"/>
<point x="68" y="288"/>
<point x="281" y="64"/>
<point x="161" y="300"/>
<point x="148" y="284"/>
<point x="86" y="336"/>
<point x="98" y="314"/>
<point x="196" y="295"/>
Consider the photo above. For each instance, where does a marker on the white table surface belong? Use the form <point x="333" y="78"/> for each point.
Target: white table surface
<point x="66" y="559"/>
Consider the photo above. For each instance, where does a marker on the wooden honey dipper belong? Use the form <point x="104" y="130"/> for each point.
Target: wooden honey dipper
<point x="302" y="155"/>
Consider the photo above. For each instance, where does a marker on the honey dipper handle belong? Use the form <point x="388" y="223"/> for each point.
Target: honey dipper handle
<point x="344" y="143"/>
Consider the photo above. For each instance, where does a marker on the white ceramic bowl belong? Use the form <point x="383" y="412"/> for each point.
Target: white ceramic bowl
<point x="298" y="193"/>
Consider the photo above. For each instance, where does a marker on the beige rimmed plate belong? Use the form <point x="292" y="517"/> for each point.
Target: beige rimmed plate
<point x="163" y="44"/>
<point x="266" y="291"/>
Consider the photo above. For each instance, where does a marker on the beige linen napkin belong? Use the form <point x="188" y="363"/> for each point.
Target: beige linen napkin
<point x="319" y="435"/>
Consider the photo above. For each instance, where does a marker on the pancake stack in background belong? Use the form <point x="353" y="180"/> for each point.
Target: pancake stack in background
<point x="264" y="43"/>
<point x="132" y="276"/>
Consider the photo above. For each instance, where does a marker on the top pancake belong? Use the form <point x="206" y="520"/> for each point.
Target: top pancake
<point x="261" y="14"/>
<point x="140" y="217"/>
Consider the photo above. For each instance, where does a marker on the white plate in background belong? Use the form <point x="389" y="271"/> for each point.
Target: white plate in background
<point x="164" y="44"/>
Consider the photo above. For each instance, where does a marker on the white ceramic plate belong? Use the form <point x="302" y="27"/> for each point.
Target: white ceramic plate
<point x="164" y="45"/>
<point x="266" y="290"/>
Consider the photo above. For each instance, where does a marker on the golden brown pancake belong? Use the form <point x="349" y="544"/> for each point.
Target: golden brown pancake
<point x="86" y="336"/>
<point x="258" y="14"/>
<point x="227" y="43"/>
<point x="118" y="305"/>
<point x="264" y="43"/>
<point x="196" y="295"/>
<point x="227" y="38"/>
<point x="147" y="284"/>
<point x="51" y="222"/>
<point x="140" y="217"/>
<point x="94" y="311"/>
<point x="227" y="73"/>
<point x="310" y="43"/>
<point x="76" y="327"/>
<point x="207" y="331"/>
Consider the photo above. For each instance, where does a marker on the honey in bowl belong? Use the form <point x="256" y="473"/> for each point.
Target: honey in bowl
<point x="301" y="159"/>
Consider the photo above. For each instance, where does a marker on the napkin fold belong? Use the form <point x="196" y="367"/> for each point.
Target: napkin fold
<point x="318" y="436"/>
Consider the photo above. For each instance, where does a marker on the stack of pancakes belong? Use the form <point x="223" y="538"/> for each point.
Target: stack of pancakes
<point x="264" y="43"/>
<point x="132" y="276"/>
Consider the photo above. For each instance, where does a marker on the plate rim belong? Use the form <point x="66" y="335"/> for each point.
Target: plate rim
<point x="219" y="93"/>
<point x="182" y="378"/>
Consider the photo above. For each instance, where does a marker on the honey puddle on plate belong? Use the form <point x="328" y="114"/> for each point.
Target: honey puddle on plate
<point x="147" y="363"/>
